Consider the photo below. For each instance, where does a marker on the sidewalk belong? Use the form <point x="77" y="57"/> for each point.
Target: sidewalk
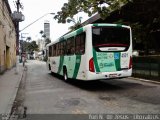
<point x="9" y="83"/>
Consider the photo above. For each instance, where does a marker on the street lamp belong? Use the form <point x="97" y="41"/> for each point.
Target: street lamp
<point x="36" y="21"/>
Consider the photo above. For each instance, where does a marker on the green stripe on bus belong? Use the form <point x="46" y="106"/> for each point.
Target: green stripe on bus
<point x="119" y="25"/>
<point x="76" y="69"/>
<point x="60" y="64"/>
<point x="95" y="60"/>
<point x="103" y="25"/>
<point x="61" y="39"/>
<point x="79" y="31"/>
<point x="118" y="61"/>
<point x="95" y="25"/>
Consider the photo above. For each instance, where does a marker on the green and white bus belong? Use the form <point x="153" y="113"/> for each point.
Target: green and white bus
<point x="93" y="52"/>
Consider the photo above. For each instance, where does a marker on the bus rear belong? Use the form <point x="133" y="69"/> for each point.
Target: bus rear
<point x="111" y="54"/>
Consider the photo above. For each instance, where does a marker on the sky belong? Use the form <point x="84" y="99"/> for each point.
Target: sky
<point x="34" y="9"/>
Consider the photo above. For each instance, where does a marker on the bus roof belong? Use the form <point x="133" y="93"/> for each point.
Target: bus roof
<point x="80" y="30"/>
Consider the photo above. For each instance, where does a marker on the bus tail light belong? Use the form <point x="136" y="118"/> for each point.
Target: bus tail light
<point x="91" y="65"/>
<point x="130" y="63"/>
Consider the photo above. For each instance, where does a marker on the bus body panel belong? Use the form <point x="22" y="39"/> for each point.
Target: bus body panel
<point x="54" y="62"/>
<point x="108" y="75"/>
<point x="109" y="64"/>
<point x="70" y="62"/>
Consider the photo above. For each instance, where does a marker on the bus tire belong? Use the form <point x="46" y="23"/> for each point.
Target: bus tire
<point x="49" y="67"/>
<point x="65" y="76"/>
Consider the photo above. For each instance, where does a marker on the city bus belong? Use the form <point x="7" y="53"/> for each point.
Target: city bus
<point x="93" y="52"/>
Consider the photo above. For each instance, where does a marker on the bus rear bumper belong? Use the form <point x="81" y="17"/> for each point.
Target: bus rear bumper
<point x="108" y="75"/>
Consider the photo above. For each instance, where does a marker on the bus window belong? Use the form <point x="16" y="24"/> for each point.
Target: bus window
<point x="58" y="49"/>
<point x="54" y="50"/>
<point x="70" y="46"/>
<point x="80" y="44"/>
<point x="115" y="38"/>
<point x="50" y="51"/>
<point x="62" y="48"/>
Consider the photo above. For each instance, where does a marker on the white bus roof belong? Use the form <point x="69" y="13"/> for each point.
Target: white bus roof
<point x="67" y="35"/>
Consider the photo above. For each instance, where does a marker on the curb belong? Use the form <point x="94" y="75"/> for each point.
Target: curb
<point x="13" y="97"/>
<point x="145" y="80"/>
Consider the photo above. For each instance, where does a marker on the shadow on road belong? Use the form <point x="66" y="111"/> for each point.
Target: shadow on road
<point x="101" y="85"/>
<point x="121" y="87"/>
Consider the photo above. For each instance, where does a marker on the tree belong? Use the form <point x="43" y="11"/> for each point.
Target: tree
<point x="41" y="32"/>
<point x="44" y="36"/>
<point x="29" y="39"/>
<point x="33" y="46"/>
<point x="30" y="46"/>
<point x="47" y="41"/>
<point x="77" y="24"/>
<point x="88" y="6"/>
<point x="145" y="23"/>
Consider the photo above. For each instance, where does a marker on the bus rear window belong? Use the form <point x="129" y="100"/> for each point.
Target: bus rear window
<point x="111" y="37"/>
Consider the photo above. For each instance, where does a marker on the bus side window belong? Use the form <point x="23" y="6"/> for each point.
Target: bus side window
<point x="64" y="47"/>
<point x="70" y="46"/>
<point x="50" y="51"/>
<point x="54" y="50"/>
<point x="77" y="44"/>
<point x="59" y="50"/>
<point x="80" y="44"/>
<point x="82" y="50"/>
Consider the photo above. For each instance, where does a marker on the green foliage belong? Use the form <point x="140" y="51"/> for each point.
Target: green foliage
<point x="29" y="38"/>
<point x="47" y="41"/>
<point x="44" y="35"/>
<point x="77" y="24"/>
<point x="88" y="6"/>
<point x="41" y="32"/>
<point x="30" y="46"/>
<point x="138" y="32"/>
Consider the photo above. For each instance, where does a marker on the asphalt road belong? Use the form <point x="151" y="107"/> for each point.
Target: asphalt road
<point x="49" y="94"/>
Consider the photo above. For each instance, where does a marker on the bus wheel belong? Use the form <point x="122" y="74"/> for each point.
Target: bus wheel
<point x="65" y="76"/>
<point x="49" y="68"/>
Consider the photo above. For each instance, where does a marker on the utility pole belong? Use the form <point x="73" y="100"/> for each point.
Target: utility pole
<point x="17" y="16"/>
<point x="17" y="29"/>
<point x="17" y="36"/>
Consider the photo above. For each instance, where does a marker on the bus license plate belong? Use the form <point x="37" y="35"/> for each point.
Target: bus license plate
<point x="112" y="75"/>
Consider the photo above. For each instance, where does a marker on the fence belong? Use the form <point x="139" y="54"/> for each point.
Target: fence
<point x="147" y="67"/>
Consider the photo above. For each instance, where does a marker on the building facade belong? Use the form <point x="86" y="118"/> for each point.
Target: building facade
<point x="47" y="29"/>
<point x="7" y="37"/>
